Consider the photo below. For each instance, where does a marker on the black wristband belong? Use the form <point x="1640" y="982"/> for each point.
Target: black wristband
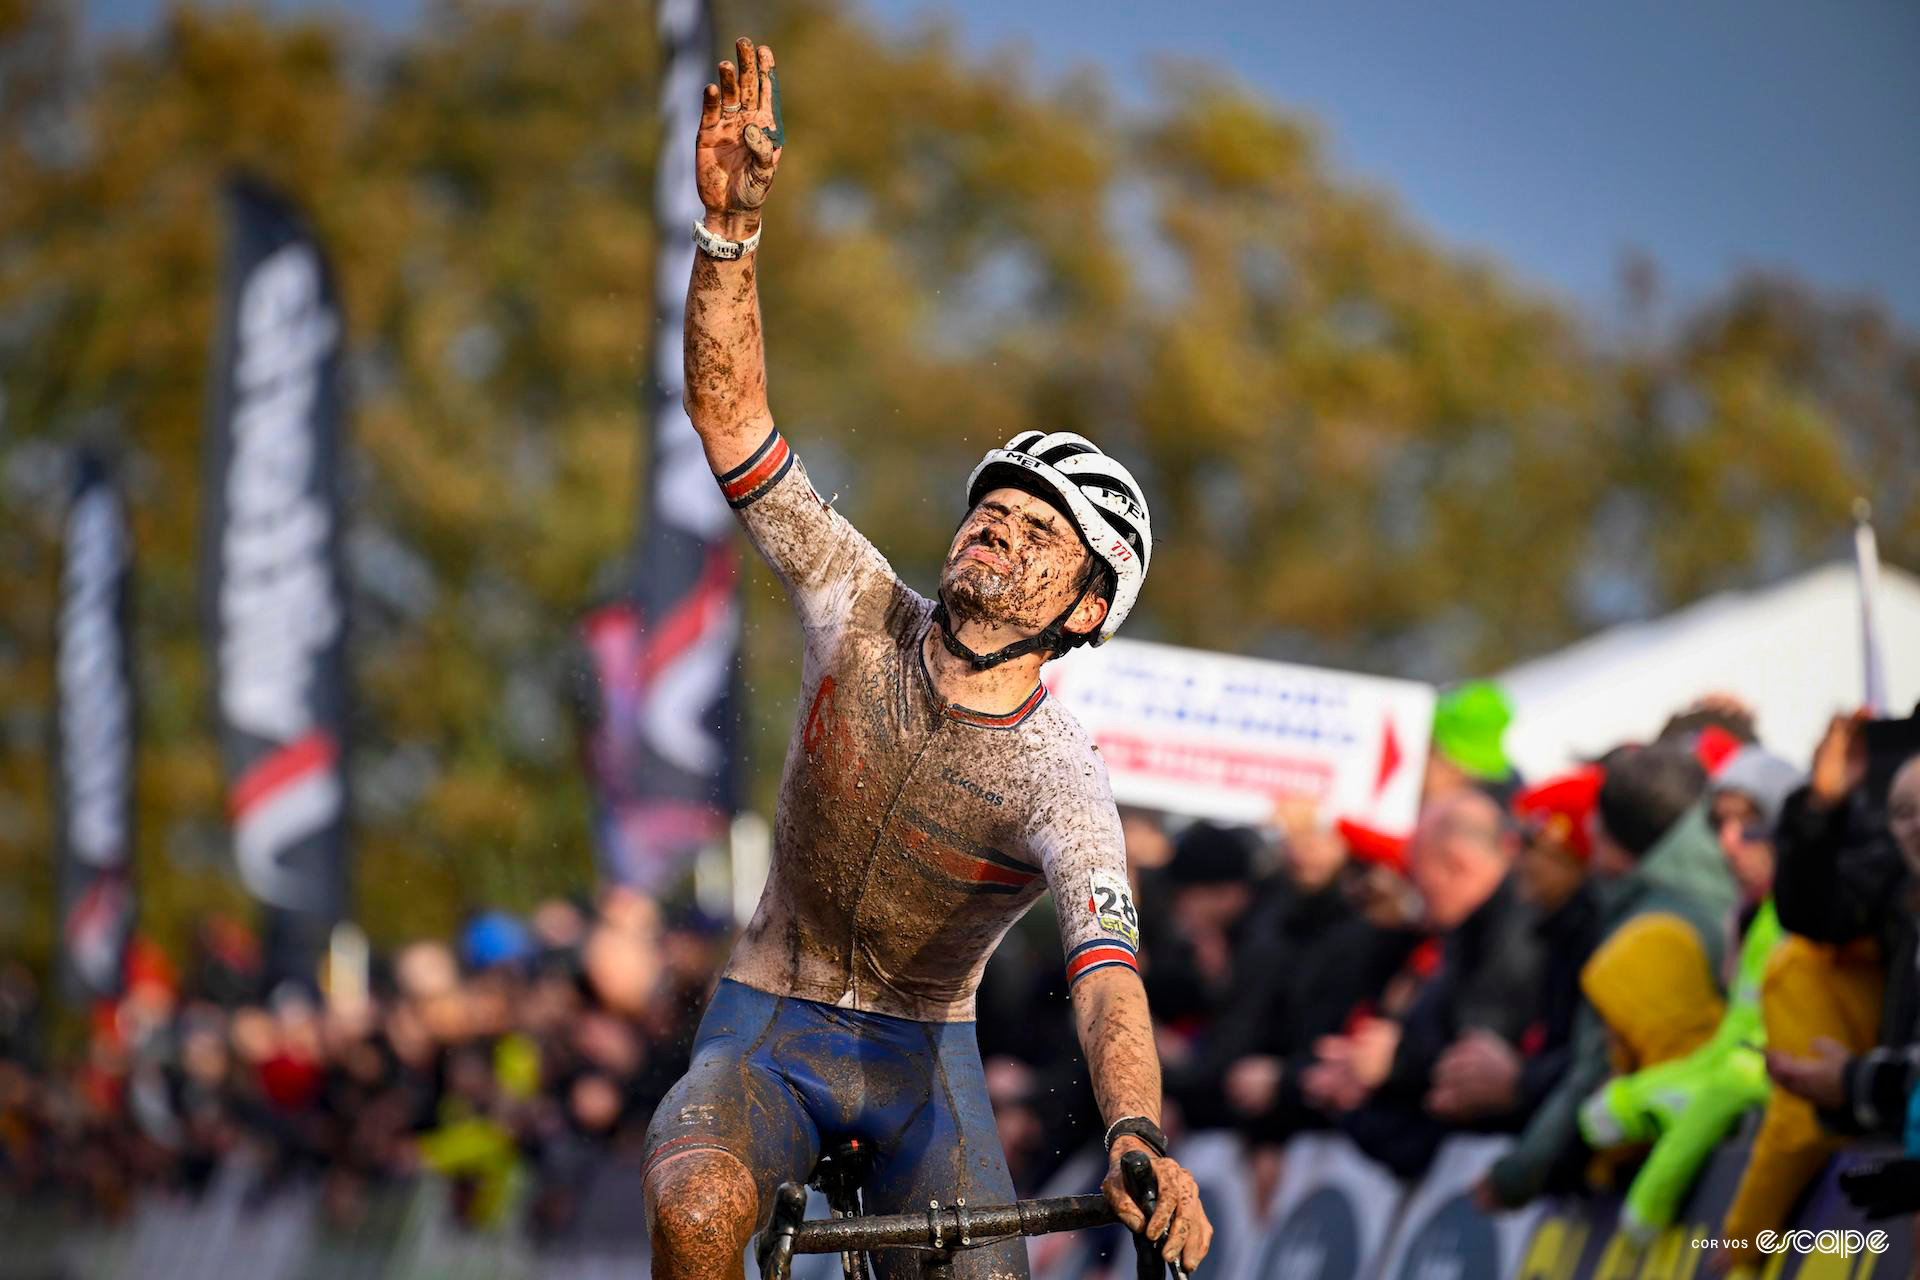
<point x="1142" y="1128"/>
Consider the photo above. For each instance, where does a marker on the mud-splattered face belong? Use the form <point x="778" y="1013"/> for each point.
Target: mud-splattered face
<point x="1016" y="561"/>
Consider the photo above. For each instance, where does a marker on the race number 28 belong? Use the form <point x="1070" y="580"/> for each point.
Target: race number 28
<point x="1112" y="907"/>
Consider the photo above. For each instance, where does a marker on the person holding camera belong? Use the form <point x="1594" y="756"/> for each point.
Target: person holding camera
<point x="1850" y="870"/>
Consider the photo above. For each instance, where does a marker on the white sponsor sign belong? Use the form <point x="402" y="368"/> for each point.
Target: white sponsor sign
<point x="1230" y="738"/>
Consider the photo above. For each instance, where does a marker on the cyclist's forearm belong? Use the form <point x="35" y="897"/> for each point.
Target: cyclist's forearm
<point x="1116" y="1034"/>
<point x="726" y="371"/>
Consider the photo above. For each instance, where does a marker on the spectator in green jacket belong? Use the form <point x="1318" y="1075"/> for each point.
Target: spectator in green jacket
<point x="1662" y="871"/>
<point x="1685" y="1106"/>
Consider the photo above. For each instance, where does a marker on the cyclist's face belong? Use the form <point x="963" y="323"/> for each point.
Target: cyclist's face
<point x="1015" y="561"/>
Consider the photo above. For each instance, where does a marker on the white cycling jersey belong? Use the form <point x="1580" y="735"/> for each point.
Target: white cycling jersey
<point x="910" y="833"/>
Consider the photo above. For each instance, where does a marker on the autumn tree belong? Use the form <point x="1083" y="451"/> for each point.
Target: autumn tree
<point x="1362" y="449"/>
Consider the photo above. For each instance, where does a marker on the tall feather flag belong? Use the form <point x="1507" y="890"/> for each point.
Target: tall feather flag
<point x="660" y="743"/>
<point x="93" y="762"/>
<point x="274" y="584"/>
<point x="1866" y="563"/>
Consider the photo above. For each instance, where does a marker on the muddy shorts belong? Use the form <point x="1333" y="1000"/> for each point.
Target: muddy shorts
<point x="774" y="1079"/>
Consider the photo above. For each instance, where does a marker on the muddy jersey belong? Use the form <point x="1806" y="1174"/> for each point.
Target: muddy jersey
<point x="911" y="833"/>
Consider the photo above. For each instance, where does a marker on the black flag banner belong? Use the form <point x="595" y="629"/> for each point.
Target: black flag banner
<point x="94" y="736"/>
<point x="274" y="589"/>
<point x="661" y="751"/>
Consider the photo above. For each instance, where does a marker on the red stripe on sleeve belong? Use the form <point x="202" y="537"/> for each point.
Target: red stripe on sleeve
<point x="1094" y="957"/>
<point x="758" y="474"/>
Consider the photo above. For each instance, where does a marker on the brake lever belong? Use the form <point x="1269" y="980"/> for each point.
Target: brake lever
<point x="1136" y="1171"/>
<point x="775" y="1250"/>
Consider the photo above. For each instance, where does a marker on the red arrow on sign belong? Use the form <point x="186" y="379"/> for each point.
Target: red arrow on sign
<point x="1390" y="758"/>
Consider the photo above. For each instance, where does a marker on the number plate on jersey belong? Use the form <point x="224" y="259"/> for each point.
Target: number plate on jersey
<point x="1112" y="907"/>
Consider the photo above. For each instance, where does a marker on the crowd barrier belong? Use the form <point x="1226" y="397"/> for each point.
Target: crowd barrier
<point x="1338" y="1215"/>
<point x="1335" y="1216"/>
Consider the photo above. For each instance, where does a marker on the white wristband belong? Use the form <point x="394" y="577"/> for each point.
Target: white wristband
<point x="722" y="248"/>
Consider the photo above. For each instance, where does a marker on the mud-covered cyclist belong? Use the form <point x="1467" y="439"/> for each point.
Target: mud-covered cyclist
<point x="931" y="794"/>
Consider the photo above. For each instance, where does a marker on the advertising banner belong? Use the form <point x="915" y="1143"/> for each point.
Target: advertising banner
<point x="1442" y="1233"/>
<point x="1218" y="736"/>
<point x="1331" y="1215"/>
<point x="94" y="737"/>
<point x="661" y="750"/>
<point x="275" y="595"/>
<point x="1827" y="1236"/>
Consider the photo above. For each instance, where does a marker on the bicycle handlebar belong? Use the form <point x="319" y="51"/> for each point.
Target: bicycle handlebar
<point x="954" y="1226"/>
<point x="946" y="1228"/>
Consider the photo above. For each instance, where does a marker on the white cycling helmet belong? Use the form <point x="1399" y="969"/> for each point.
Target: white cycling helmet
<point x="1100" y="494"/>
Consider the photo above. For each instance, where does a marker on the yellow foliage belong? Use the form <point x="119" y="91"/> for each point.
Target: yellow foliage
<point x="1360" y="448"/>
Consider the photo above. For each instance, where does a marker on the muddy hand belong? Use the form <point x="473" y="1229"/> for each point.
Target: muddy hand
<point x="1179" y="1224"/>
<point x="739" y="144"/>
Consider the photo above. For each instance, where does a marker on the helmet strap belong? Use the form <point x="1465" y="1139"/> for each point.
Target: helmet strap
<point x="1053" y="636"/>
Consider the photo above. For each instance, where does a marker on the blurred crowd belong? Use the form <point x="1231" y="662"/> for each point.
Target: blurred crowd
<point x="521" y="1062"/>
<point x="1618" y="966"/>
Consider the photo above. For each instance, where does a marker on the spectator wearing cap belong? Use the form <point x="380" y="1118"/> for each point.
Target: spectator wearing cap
<point x="1686" y="1106"/>
<point x="1665" y="896"/>
<point x="492" y="939"/>
<point x="1469" y="729"/>
<point x="1482" y="1079"/>
<point x="1461" y="863"/>
<point x="1744" y="800"/>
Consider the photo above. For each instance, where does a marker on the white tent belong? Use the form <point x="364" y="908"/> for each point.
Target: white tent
<point x="1792" y="651"/>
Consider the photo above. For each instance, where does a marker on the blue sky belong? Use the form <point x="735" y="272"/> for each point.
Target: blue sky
<point x="1554" y="137"/>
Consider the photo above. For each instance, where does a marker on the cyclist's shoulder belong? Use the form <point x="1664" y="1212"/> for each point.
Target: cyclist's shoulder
<point x="1065" y="765"/>
<point x="883" y="613"/>
<point x="1057" y="731"/>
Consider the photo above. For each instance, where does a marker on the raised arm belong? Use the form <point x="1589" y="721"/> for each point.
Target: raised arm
<point x="735" y="156"/>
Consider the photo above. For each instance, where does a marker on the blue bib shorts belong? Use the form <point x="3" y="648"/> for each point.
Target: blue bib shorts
<point x="775" y="1079"/>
